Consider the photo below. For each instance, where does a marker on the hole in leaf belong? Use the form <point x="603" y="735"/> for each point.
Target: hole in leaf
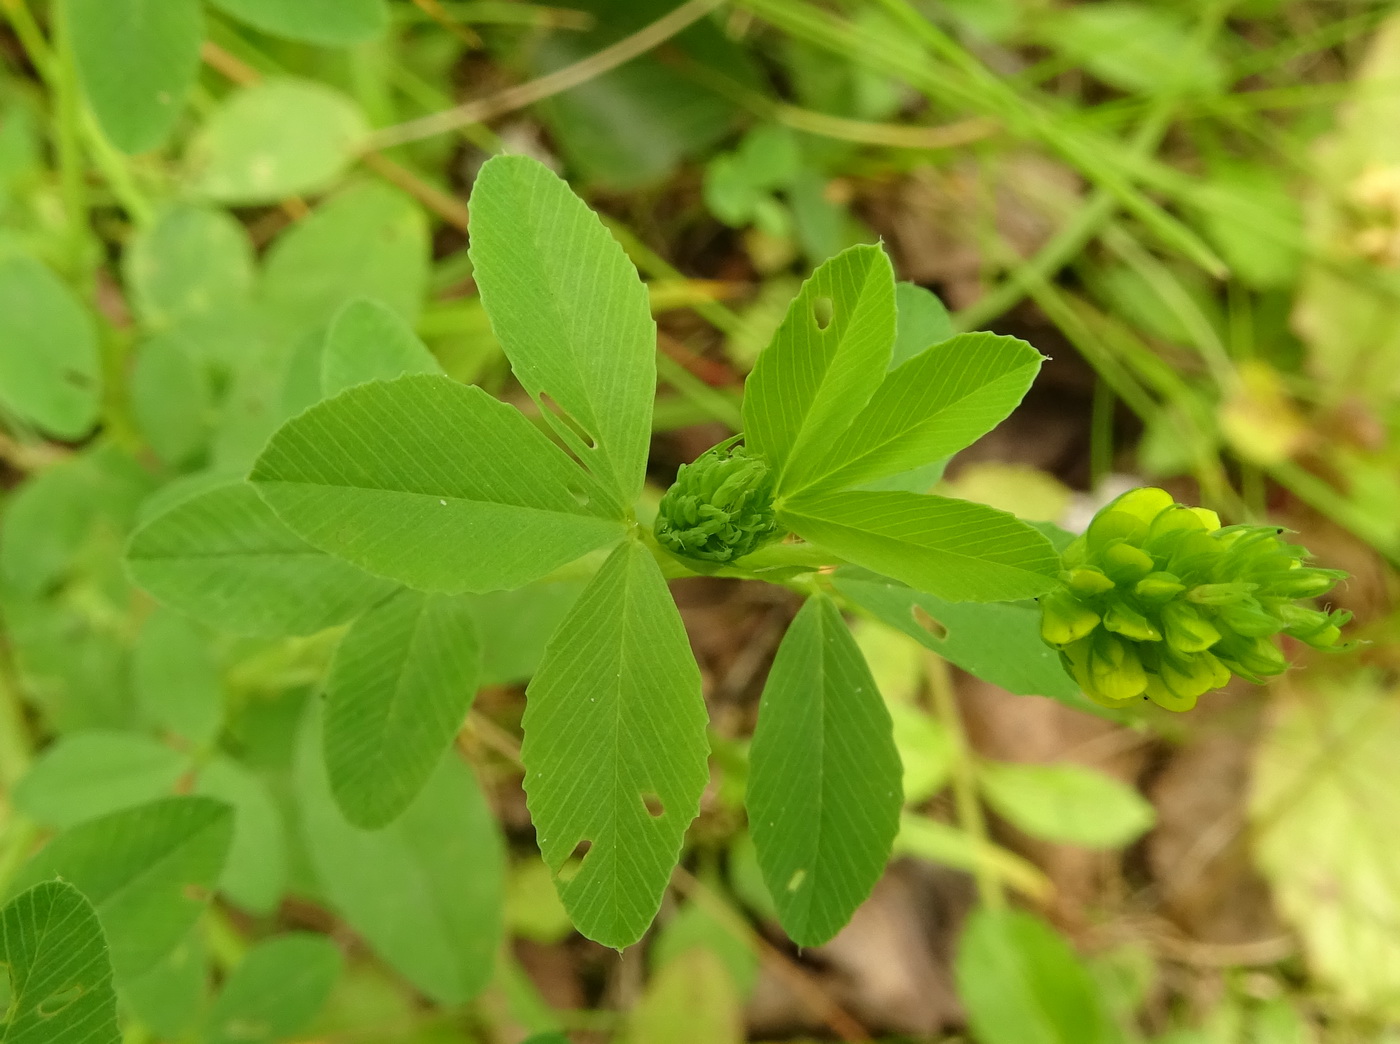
<point x="56" y="1002"/>
<point x="655" y="808"/>
<point x="579" y="494"/>
<point x="823" y="311"/>
<point x="574" y="864"/>
<point x="928" y="623"/>
<point x="552" y="407"/>
<point x="795" y="881"/>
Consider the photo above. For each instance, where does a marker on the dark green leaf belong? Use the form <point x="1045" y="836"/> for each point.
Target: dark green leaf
<point x="60" y="976"/>
<point x="825" y="785"/>
<point x="434" y="484"/>
<point x="224" y="558"/>
<point x="398" y="691"/>
<point x="955" y="549"/>
<point x="615" y="748"/>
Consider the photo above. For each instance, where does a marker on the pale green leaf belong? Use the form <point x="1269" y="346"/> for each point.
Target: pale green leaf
<point x="572" y="315"/>
<point x="615" y="748"/>
<point x="275" y="991"/>
<point x="255" y="872"/>
<point x="947" y="845"/>
<point x="398" y="691"/>
<point x="434" y="484"/>
<point x="955" y="549"/>
<point x="60" y="977"/>
<point x="334" y="23"/>
<point x="369" y="342"/>
<point x="370" y="241"/>
<point x="1324" y="801"/>
<point x="224" y="558"/>
<point x="149" y="870"/>
<point x="515" y="627"/>
<point x="825" y="787"/>
<point x="89" y="774"/>
<point x="1067" y="804"/>
<point x="426" y="891"/>
<point x="275" y="139"/>
<point x="172" y="399"/>
<point x="691" y="1000"/>
<point x="191" y="261"/>
<point x="170" y="996"/>
<point x="719" y="930"/>
<point x="935" y="404"/>
<point x="998" y="642"/>
<point x="137" y="60"/>
<point x="175" y="678"/>
<point x="824" y="363"/>
<point x="49" y="369"/>
<point x="1143" y="47"/>
<point x="922" y="321"/>
<point x="1023" y="984"/>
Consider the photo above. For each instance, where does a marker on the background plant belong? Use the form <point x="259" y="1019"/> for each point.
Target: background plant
<point x="194" y="253"/>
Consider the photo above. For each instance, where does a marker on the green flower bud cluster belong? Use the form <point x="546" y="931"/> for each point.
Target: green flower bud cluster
<point x="1157" y="601"/>
<point x="720" y="508"/>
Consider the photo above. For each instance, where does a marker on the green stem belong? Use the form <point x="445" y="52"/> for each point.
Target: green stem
<point x="117" y="172"/>
<point x="68" y="116"/>
<point x="964" y="780"/>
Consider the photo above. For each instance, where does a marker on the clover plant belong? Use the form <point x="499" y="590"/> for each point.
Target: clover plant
<point x="399" y="498"/>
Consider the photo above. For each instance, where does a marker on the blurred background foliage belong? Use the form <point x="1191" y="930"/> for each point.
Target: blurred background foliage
<point x="1192" y="206"/>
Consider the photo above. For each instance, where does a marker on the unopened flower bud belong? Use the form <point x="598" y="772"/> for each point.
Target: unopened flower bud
<point x="720" y="507"/>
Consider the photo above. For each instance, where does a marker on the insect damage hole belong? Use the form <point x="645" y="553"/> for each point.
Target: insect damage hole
<point x="653" y="804"/>
<point x="823" y="312"/>
<point x="928" y="623"/>
<point x="795" y="881"/>
<point x="574" y="864"/>
<point x="59" y="1000"/>
<point x="550" y="405"/>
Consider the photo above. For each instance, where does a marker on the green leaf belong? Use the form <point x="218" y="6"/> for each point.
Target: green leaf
<point x="192" y="261"/>
<point x="940" y="401"/>
<point x="255" y="873"/>
<point x="275" y="991"/>
<point x="60" y="977"/>
<point x="691" y="1000"/>
<point x="137" y="60"/>
<point x="369" y="342"/>
<point x="49" y="371"/>
<point x="515" y="627"/>
<point x="718" y="930"/>
<point x="1138" y="47"/>
<point x="334" y="23"/>
<point x="453" y="491"/>
<point x="824" y="363"/>
<point x="89" y="774"/>
<point x="275" y="139"/>
<point x="998" y="642"/>
<point x="224" y="558"/>
<point x="171" y="399"/>
<point x="173" y="993"/>
<point x="572" y="315"/>
<point x="370" y="241"/>
<point x="398" y="691"/>
<point x="825" y="786"/>
<point x="1067" y="804"/>
<point x="1023" y="984"/>
<point x="149" y="871"/>
<point x="176" y="680"/>
<point x="424" y="892"/>
<point x="955" y="549"/>
<point x="922" y="321"/>
<point x="615" y="748"/>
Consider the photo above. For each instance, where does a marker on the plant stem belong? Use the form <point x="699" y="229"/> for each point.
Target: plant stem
<point x="68" y="117"/>
<point x="964" y="778"/>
